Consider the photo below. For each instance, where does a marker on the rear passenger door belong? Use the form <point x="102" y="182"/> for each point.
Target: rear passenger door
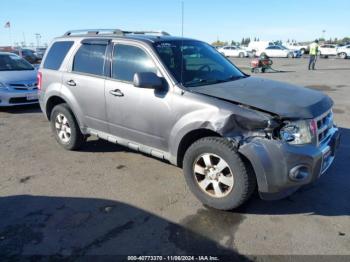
<point x="136" y="114"/>
<point x="85" y="83"/>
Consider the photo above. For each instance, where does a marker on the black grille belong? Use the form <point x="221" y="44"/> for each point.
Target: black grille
<point x="24" y="87"/>
<point x="21" y="100"/>
<point x="324" y="124"/>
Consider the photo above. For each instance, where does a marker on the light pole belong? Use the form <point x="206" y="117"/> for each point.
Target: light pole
<point x="37" y="37"/>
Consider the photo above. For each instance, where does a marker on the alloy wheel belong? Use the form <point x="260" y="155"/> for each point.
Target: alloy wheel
<point x="213" y="175"/>
<point x="62" y="128"/>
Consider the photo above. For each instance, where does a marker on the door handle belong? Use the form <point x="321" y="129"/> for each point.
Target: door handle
<point x="116" y="92"/>
<point x="71" y="82"/>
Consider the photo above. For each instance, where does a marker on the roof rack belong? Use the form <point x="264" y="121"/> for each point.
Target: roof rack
<point x="112" y="32"/>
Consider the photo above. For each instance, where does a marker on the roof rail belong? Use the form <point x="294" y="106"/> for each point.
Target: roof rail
<point x="146" y="32"/>
<point x="112" y="32"/>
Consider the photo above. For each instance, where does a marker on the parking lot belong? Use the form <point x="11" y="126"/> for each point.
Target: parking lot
<point x="105" y="199"/>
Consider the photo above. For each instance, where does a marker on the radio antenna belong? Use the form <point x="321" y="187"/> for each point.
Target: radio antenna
<point x="182" y="18"/>
<point x="182" y="39"/>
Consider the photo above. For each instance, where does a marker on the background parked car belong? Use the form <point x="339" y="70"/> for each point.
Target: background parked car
<point x="233" y="51"/>
<point x="278" y="51"/>
<point x="297" y="47"/>
<point x="343" y="51"/>
<point x="27" y="54"/>
<point x="258" y="46"/>
<point x="18" y="81"/>
<point x="327" y="50"/>
<point x="40" y="51"/>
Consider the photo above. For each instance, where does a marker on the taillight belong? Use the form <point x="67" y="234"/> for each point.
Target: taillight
<point x="39" y="80"/>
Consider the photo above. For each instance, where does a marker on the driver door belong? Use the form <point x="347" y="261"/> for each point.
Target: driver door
<point x="141" y="115"/>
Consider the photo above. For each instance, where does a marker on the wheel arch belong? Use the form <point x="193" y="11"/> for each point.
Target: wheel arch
<point x="189" y="138"/>
<point x="56" y="100"/>
<point x="51" y="103"/>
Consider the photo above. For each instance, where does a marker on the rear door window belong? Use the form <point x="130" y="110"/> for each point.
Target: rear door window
<point x="90" y="59"/>
<point x="56" y="54"/>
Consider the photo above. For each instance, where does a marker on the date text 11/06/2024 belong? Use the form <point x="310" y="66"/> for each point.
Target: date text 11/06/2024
<point x="173" y="258"/>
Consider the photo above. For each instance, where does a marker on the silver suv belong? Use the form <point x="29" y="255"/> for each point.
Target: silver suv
<point x="178" y="99"/>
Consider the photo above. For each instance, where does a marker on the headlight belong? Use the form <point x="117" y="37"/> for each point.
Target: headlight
<point x="299" y="132"/>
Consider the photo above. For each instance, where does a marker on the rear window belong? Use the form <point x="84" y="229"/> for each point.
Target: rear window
<point x="56" y="54"/>
<point x="90" y="59"/>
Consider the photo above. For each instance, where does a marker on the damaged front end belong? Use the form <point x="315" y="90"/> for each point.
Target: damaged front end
<point x="284" y="153"/>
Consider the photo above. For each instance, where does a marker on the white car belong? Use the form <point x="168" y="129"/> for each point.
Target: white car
<point x="297" y="47"/>
<point x="233" y="51"/>
<point x="258" y="46"/>
<point x="327" y="50"/>
<point x="343" y="51"/>
<point x="277" y="51"/>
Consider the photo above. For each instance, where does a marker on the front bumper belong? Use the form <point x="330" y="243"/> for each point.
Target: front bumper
<point x="273" y="161"/>
<point x="18" y="97"/>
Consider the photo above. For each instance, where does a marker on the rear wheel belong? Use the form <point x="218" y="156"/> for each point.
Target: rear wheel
<point x="65" y="128"/>
<point x="216" y="174"/>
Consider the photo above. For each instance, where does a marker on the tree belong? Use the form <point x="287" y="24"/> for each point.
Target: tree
<point x="219" y="43"/>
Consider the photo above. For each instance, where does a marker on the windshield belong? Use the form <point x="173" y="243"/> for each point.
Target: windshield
<point x="13" y="62"/>
<point x="201" y="63"/>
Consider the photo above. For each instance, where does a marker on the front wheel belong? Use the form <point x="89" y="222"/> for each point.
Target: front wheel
<point x="216" y="174"/>
<point x="65" y="127"/>
<point x="343" y="55"/>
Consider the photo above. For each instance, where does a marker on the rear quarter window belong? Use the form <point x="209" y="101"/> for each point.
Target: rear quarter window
<point x="56" y="54"/>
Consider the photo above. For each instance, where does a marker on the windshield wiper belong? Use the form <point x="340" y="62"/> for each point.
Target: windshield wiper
<point x="199" y="82"/>
<point x="233" y="78"/>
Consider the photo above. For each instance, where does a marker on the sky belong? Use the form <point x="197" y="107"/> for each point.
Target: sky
<point x="207" y="20"/>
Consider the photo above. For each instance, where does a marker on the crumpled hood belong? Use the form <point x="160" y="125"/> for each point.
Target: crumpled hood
<point x="25" y="76"/>
<point x="285" y="100"/>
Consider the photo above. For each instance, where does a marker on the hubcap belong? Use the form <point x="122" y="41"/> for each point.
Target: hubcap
<point x="213" y="175"/>
<point x="62" y="128"/>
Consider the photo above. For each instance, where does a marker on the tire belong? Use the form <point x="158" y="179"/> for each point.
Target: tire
<point x="65" y="128"/>
<point x="290" y="55"/>
<point x="224" y="165"/>
<point x="241" y="55"/>
<point x="263" y="70"/>
<point x="343" y="55"/>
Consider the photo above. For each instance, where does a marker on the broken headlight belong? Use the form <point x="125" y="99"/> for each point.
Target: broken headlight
<point x="298" y="132"/>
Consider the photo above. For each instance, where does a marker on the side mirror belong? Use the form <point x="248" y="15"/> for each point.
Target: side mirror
<point x="147" y="80"/>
